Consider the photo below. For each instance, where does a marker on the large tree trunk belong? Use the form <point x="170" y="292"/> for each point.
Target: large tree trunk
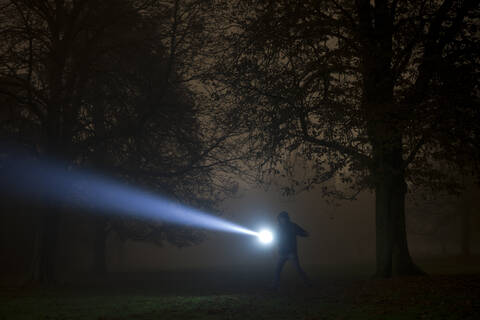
<point x="393" y="256"/>
<point x="48" y="221"/>
<point x="61" y="87"/>
<point x="100" y="162"/>
<point x="385" y="134"/>
<point x="46" y="237"/>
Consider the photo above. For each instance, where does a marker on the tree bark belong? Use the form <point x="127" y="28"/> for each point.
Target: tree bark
<point x="393" y="256"/>
<point x="100" y="162"/>
<point x="46" y="233"/>
<point x="385" y="134"/>
<point x="46" y="237"/>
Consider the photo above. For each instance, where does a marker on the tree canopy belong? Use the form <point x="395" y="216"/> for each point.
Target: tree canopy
<point x="380" y="94"/>
<point x="107" y="85"/>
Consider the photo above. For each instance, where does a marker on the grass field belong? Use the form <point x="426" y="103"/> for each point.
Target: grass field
<point x="237" y="295"/>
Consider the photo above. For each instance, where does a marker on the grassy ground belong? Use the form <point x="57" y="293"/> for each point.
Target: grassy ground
<point x="216" y="295"/>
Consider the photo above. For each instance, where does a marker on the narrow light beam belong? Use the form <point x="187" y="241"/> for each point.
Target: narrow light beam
<point x="49" y="182"/>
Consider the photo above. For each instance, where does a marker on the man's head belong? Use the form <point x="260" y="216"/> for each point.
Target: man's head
<point x="283" y="217"/>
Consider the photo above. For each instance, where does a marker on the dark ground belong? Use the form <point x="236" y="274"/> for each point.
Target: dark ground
<point x="451" y="291"/>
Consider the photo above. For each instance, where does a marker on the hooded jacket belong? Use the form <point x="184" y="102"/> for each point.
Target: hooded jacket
<point x="287" y="235"/>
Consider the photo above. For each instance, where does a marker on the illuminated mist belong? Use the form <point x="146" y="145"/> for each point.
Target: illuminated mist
<point x="51" y="183"/>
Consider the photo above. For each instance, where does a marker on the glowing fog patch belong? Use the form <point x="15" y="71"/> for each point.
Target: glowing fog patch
<point x="265" y="236"/>
<point x="51" y="183"/>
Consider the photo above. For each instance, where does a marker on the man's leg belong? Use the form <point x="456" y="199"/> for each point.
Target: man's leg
<point x="300" y="271"/>
<point x="278" y="270"/>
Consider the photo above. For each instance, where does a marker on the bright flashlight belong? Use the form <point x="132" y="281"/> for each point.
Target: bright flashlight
<point x="265" y="236"/>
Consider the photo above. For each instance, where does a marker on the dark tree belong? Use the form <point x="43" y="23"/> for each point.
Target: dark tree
<point x="44" y="70"/>
<point x="107" y="84"/>
<point x="378" y="94"/>
<point x="149" y="118"/>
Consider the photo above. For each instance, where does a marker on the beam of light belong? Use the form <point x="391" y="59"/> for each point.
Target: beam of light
<point x="51" y="183"/>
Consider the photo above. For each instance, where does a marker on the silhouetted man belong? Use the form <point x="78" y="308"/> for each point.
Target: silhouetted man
<point x="287" y="247"/>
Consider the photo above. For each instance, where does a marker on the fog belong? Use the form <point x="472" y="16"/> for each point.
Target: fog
<point x="342" y="236"/>
<point x="341" y="233"/>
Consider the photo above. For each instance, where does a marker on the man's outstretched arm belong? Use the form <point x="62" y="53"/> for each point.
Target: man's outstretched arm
<point x="300" y="231"/>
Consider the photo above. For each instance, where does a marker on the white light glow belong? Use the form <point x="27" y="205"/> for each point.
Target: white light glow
<point x="265" y="236"/>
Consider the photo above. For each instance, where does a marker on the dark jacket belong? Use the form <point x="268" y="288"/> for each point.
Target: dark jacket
<point x="287" y="237"/>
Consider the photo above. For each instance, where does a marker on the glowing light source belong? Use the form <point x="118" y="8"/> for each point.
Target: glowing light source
<point x="265" y="236"/>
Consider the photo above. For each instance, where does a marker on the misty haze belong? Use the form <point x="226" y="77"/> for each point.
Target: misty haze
<point x="235" y="159"/>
